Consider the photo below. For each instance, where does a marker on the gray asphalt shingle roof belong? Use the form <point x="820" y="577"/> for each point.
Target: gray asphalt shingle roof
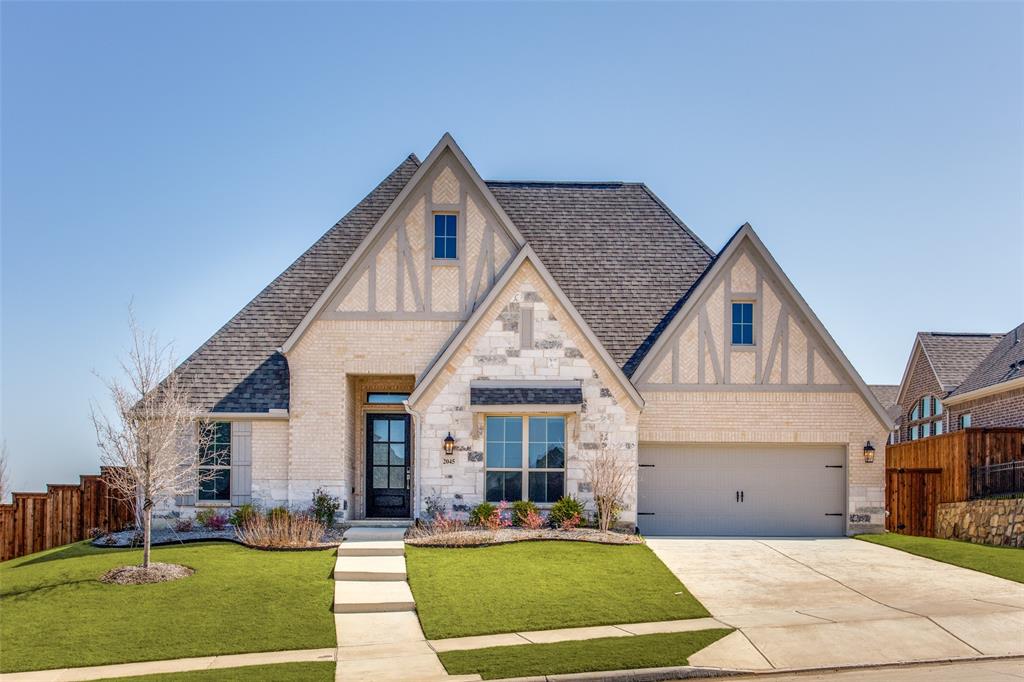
<point x="622" y="258"/>
<point x="1003" y="363"/>
<point x="954" y="355"/>
<point x="887" y="394"/>
<point x="531" y="395"/>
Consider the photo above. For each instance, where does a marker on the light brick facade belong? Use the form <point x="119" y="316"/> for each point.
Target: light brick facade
<point x="1005" y="409"/>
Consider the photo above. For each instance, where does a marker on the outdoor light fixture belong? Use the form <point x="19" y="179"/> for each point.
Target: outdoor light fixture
<point x="869" y="453"/>
<point x="449" y="444"/>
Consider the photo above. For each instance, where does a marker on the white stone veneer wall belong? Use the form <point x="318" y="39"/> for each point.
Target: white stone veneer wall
<point x="608" y="419"/>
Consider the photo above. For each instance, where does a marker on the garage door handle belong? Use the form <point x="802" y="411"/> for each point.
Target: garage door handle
<point x="742" y="494"/>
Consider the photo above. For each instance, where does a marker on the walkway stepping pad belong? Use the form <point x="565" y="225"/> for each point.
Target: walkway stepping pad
<point x="371" y="548"/>
<point x="368" y="568"/>
<point x="360" y="596"/>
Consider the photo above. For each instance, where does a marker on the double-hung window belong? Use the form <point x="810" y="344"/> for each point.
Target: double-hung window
<point x="743" y="324"/>
<point x="525" y="458"/>
<point x="446" y="236"/>
<point x="215" y="462"/>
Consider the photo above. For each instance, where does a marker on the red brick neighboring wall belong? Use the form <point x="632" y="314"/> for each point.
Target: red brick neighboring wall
<point x="1000" y="409"/>
<point x="921" y="382"/>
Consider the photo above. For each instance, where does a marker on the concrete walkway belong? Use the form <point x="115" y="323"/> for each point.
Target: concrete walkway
<point x="379" y="634"/>
<point x="814" y="603"/>
<point x="573" y="634"/>
<point x="177" y="665"/>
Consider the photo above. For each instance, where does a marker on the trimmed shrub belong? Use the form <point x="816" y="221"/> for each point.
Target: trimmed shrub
<point x="534" y="521"/>
<point x="183" y="525"/>
<point x="480" y="514"/>
<point x="204" y="515"/>
<point x="218" y="521"/>
<point x="563" y="510"/>
<point x="520" y="508"/>
<point x="325" y="506"/>
<point x="243" y="514"/>
<point x="570" y="523"/>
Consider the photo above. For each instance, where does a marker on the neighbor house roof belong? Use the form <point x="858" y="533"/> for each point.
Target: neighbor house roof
<point x="954" y="355"/>
<point x="1004" y="363"/>
<point x="887" y="395"/>
<point x="620" y="255"/>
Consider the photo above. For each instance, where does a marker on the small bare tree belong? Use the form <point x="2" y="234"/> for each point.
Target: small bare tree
<point x="151" y="441"/>
<point x="609" y="477"/>
<point x="5" y="474"/>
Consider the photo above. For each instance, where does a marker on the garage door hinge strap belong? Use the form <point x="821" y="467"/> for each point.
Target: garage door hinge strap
<point x="648" y="466"/>
<point x="833" y="514"/>
<point x="833" y="466"/>
<point x="645" y="513"/>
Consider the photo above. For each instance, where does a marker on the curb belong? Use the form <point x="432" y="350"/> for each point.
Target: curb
<point x="692" y="672"/>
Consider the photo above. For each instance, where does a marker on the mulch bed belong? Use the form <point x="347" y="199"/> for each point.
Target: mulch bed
<point x="168" y="536"/>
<point x="482" y="537"/>
<point x="137" y="575"/>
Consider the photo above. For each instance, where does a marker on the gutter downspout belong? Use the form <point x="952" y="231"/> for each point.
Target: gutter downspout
<point x="415" y="492"/>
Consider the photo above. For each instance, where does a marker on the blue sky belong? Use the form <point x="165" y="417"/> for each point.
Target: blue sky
<point x="182" y="155"/>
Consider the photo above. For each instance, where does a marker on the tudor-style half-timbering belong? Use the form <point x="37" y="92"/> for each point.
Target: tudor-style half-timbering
<point x="437" y="255"/>
<point x="744" y="330"/>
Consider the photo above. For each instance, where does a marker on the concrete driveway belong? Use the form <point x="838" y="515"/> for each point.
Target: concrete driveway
<point x="808" y="603"/>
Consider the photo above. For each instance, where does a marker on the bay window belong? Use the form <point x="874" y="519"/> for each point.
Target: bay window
<point x="525" y="458"/>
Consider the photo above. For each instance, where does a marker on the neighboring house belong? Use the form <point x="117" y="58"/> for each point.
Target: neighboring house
<point x="993" y="394"/>
<point x="939" y="362"/>
<point x="538" y="324"/>
<point x="887" y="395"/>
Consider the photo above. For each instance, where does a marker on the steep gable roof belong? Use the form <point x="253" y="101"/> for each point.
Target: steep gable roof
<point x="746" y="234"/>
<point x="617" y="252"/>
<point x="239" y="369"/>
<point x="526" y="254"/>
<point x="954" y="355"/>
<point x="1004" y="363"/>
<point x="621" y="257"/>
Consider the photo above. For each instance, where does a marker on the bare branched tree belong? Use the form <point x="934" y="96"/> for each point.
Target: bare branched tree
<point x="609" y="478"/>
<point x="153" y="439"/>
<point x="5" y="474"/>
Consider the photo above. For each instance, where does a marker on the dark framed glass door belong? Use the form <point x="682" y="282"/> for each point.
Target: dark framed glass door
<point x="387" y="465"/>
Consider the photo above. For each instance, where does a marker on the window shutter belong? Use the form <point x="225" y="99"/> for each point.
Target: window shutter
<point x="241" y="462"/>
<point x="526" y="327"/>
<point x="187" y="500"/>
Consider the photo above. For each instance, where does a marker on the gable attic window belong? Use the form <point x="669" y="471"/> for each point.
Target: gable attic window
<point x="215" y="463"/>
<point x="926" y="418"/>
<point x="743" y="323"/>
<point x="446" y="241"/>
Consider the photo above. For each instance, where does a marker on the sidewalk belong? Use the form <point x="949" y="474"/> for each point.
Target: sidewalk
<point x="176" y="665"/>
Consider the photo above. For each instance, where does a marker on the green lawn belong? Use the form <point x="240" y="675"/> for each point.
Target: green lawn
<point x="57" y="614"/>
<point x="611" y="653"/>
<point x="1004" y="562"/>
<point x="281" y="672"/>
<point x="542" y="586"/>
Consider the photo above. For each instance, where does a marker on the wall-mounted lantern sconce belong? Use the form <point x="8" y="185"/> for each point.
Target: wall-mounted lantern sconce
<point x="449" y="444"/>
<point x="869" y="453"/>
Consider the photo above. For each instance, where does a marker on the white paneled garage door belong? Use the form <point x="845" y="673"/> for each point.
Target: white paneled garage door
<point x="773" y="490"/>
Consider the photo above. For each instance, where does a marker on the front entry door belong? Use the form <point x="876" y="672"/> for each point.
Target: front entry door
<point x="387" y="465"/>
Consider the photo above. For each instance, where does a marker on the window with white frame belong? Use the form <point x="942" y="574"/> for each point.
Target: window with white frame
<point x="215" y="463"/>
<point x="525" y="458"/>
<point x="925" y="418"/>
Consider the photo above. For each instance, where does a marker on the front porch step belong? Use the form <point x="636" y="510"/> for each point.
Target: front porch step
<point x="379" y="523"/>
<point x="378" y="548"/>
<point x="367" y="533"/>
<point x="370" y="568"/>
<point x="357" y="596"/>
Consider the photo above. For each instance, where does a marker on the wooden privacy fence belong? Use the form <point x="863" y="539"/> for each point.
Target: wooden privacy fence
<point x="64" y="513"/>
<point x="922" y="474"/>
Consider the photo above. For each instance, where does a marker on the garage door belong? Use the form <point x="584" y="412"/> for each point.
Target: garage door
<point x="773" y="490"/>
